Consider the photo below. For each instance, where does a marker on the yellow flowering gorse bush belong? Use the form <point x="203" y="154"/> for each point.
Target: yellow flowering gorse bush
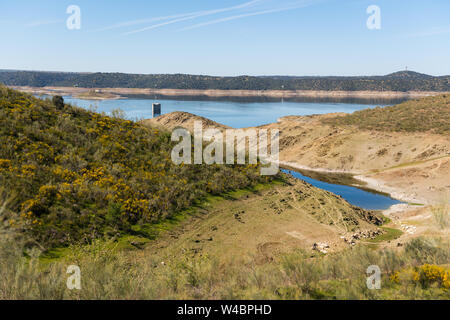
<point x="80" y="175"/>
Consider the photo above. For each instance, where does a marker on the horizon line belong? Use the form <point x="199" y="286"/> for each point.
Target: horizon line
<point x="221" y="76"/>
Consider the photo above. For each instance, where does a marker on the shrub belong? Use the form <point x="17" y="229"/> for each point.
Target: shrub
<point x="58" y="101"/>
<point x="425" y="275"/>
<point x="81" y="175"/>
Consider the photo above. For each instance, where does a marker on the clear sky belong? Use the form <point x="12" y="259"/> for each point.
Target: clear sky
<point x="227" y="37"/>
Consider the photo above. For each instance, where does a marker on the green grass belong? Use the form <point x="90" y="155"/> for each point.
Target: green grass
<point x="389" y="235"/>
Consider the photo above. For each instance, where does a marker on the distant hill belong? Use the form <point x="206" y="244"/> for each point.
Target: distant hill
<point x="409" y="75"/>
<point x="402" y="81"/>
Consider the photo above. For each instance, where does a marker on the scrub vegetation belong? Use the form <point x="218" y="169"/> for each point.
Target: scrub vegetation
<point x="73" y="175"/>
<point x="415" y="272"/>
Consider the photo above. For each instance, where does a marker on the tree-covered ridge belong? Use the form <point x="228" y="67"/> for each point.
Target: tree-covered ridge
<point x="431" y="114"/>
<point x="76" y="175"/>
<point x="400" y="81"/>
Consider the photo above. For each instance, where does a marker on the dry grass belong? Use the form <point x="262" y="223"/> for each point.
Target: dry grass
<point x="107" y="274"/>
<point x="429" y="114"/>
<point x="441" y="214"/>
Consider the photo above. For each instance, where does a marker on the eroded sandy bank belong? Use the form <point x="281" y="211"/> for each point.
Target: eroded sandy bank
<point x="118" y="92"/>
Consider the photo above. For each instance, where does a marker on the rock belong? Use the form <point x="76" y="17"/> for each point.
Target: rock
<point x="138" y="245"/>
<point x="321" y="246"/>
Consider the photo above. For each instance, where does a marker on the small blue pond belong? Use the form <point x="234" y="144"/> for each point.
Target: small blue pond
<point x="358" y="197"/>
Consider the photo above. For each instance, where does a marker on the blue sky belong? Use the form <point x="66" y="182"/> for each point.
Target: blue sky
<point x="229" y="37"/>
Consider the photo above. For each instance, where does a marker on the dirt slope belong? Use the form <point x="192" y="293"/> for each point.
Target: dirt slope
<point x="272" y="221"/>
<point x="118" y="92"/>
<point x="182" y="119"/>
<point x="307" y="141"/>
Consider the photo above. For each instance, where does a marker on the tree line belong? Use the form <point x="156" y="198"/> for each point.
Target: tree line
<point x="400" y="81"/>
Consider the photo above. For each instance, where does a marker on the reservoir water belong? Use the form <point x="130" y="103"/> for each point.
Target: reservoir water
<point x="361" y="198"/>
<point x="239" y="114"/>
<point x="231" y="113"/>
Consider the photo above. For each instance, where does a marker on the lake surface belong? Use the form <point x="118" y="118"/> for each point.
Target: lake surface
<point x="231" y="113"/>
<point x="358" y="197"/>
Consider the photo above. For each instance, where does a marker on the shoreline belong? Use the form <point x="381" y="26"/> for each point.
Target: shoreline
<point x="378" y="185"/>
<point x="409" y="203"/>
<point x="371" y="183"/>
<point x="121" y="93"/>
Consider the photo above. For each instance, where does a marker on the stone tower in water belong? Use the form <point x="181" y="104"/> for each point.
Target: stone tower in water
<point x="156" y="110"/>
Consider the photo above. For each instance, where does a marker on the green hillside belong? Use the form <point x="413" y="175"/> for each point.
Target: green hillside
<point x="73" y="175"/>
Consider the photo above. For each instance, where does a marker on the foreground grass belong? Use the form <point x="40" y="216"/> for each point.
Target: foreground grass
<point x="414" y="271"/>
<point x="107" y="273"/>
